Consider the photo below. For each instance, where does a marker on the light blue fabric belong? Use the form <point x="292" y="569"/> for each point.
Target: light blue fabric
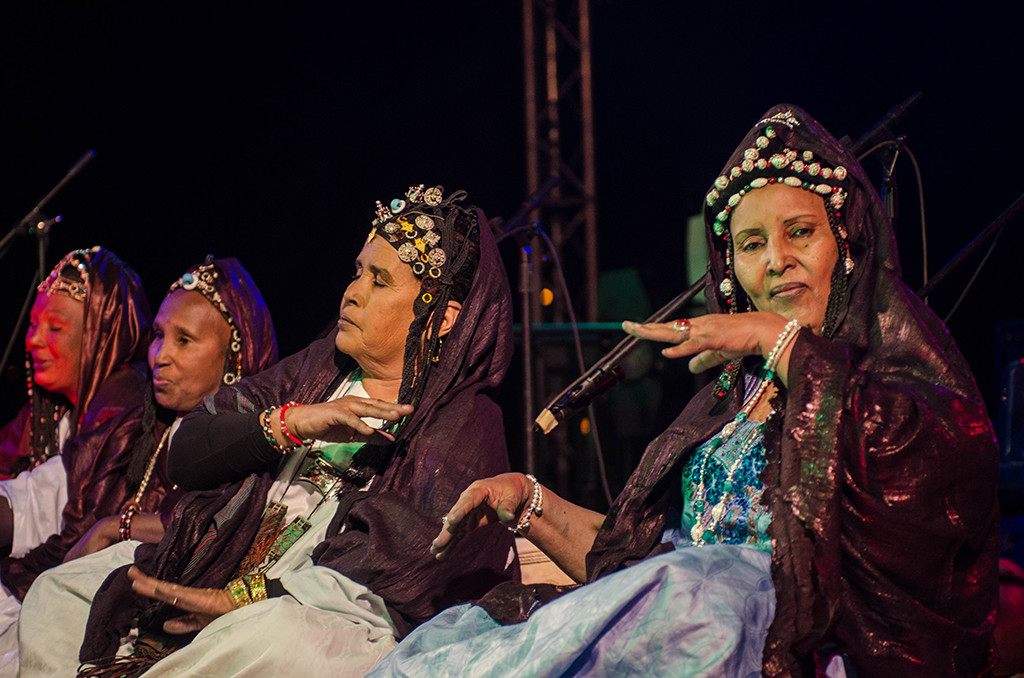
<point x="690" y="612"/>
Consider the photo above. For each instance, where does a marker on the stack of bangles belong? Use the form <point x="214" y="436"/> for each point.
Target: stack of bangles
<point x="124" y="529"/>
<point x="252" y="588"/>
<point x="534" y="509"/>
<point x="268" y="432"/>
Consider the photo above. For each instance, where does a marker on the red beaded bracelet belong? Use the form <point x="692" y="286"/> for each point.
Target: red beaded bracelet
<point x="284" y="429"/>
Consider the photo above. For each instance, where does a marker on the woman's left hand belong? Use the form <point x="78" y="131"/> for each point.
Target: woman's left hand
<point x="203" y="605"/>
<point x="716" y="338"/>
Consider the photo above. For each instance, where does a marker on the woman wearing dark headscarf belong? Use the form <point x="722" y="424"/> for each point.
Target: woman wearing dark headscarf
<point x="212" y="329"/>
<point x="88" y="331"/>
<point x="337" y="567"/>
<point x="832" y="494"/>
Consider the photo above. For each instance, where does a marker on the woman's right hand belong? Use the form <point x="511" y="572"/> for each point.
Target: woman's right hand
<point x="340" y="420"/>
<point x="498" y="499"/>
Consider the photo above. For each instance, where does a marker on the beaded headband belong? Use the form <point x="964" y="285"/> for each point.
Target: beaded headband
<point x="203" y="279"/>
<point x="769" y="161"/>
<point x="76" y="289"/>
<point x="415" y="233"/>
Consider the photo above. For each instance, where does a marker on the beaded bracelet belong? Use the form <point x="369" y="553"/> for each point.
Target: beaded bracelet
<point x="785" y="336"/>
<point x="268" y="432"/>
<point x="239" y="592"/>
<point x="534" y="509"/>
<point x="124" y="529"/>
<point x="298" y="442"/>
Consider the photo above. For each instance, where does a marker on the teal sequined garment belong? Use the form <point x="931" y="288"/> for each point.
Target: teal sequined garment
<point x="745" y="520"/>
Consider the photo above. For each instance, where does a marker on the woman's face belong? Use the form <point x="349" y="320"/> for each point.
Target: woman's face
<point x="186" y="356"/>
<point x="54" y="341"/>
<point x="377" y="310"/>
<point x="785" y="252"/>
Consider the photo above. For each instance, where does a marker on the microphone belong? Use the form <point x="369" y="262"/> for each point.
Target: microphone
<point x="607" y="372"/>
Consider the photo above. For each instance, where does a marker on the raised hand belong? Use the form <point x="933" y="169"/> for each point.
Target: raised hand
<point x="340" y="420"/>
<point x="715" y="338"/>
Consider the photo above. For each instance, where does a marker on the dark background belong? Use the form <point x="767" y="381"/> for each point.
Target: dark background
<point x="267" y="132"/>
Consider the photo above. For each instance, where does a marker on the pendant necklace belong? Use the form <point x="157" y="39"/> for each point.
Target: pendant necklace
<point x="708" y="521"/>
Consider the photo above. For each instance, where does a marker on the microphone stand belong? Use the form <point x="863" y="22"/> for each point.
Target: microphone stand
<point x="36" y="223"/>
<point x="515" y="227"/>
<point x="978" y="241"/>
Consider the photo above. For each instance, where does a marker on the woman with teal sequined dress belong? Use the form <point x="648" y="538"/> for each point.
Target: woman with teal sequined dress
<point x="828" y="505"/>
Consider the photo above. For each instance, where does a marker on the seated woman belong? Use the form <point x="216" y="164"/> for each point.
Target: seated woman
<point x="338" y="567"/>
<point x="89" y="327"/>
<point x="212" y="328"/>
<point x="833" y="493"/>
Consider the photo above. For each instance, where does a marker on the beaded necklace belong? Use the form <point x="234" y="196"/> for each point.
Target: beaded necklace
<point x="708" y="520"/>
<point x="150" y="466"/>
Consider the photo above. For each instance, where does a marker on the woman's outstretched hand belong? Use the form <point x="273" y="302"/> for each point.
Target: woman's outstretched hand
<point x="203" y="605"/>
<point x="340" y="420"/>
<point x="498" y="499"/>
<point x="716" y="338"/>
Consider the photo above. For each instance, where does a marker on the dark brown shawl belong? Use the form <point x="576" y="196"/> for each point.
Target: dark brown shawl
<point x="881" y="484"/>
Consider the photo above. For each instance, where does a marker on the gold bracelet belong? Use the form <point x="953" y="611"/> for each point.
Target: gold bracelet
<point x="239" y="592"/>
<point x="257" y="587"/>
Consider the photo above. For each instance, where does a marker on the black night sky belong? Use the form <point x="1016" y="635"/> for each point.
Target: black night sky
<point x="267" y="131"/>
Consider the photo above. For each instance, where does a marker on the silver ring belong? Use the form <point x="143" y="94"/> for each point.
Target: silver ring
<point x="174" y="602"/>
<point x="682" y="328"/>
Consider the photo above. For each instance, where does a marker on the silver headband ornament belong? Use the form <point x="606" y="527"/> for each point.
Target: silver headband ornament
<point x="769" y="161"/>
<point x="56" y="283"/>
<point x="203" y="279"/>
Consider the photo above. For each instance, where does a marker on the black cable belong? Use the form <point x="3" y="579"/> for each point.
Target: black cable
<point x="602" y="474"/>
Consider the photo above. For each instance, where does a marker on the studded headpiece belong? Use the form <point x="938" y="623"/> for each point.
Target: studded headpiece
<point x="439" y="238"/>
<point x="204" y="279"/>
<point x="770" y="160"/>
<point x="421" y="228"/>
<point x="60" y="282"/>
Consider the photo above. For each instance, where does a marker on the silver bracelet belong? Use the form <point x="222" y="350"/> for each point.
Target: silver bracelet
<point x="785" y="336"/>
<point x="534" y="509"/>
